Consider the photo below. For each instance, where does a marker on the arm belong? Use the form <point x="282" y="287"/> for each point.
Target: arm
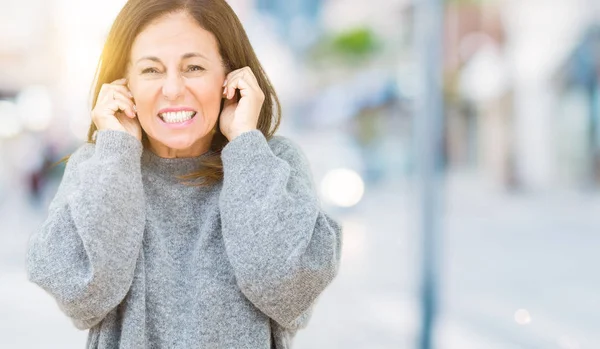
<point x="85" y="253"/>
<point x="283" y="248"/>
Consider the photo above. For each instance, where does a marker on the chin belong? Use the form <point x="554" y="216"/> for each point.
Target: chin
<point x="180" y="143"/>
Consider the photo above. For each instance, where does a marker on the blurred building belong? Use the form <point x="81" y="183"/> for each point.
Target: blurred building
<point x="502" y="111"/>
<point x="479" y="117"/>
<point x="577" y="85"/>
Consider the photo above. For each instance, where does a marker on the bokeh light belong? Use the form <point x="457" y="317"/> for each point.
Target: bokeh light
<point x="10" y="124"/>
<point x="342" y="187"/>
<point x="35" y="107"/>
<point x="522" y="317"/>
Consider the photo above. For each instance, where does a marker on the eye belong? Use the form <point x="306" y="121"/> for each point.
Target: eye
<point x="195" y="68"/>
<point x="149" y="71"/>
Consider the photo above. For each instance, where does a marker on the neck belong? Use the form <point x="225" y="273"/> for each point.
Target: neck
<point x="200" y="147"/>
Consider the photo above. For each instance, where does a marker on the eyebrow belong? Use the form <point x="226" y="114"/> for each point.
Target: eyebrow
<point x="185" y="56"/>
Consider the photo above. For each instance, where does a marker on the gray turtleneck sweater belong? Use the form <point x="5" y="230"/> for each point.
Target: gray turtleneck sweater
<point x="143" y="261"/>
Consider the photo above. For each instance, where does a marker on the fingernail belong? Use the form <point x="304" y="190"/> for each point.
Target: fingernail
<point x="225" y="82"/>
<point x="134" y="108"/>
<point x="224" y="90"/>
<point x="130" y="95"/>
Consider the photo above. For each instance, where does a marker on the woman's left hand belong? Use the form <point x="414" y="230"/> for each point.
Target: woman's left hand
<point x="239" y="116"/>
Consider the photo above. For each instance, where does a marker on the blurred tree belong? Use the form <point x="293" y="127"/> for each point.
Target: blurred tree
<point x="356" y="45"/>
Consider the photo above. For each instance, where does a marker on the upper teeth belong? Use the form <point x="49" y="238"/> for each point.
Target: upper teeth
<point x="179" y="116"/>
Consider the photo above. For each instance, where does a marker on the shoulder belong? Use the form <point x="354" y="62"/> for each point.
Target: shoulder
<point x="108" y="143"/>
<point x="290" y="150"/>
<point x="82" y="153"/>
<point x="283" y="144"/>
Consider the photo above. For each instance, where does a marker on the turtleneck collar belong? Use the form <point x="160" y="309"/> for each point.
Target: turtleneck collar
<point x="171" y="166"/>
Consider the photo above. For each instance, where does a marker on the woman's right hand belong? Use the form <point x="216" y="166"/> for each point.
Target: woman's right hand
<point x="115" y="109"/>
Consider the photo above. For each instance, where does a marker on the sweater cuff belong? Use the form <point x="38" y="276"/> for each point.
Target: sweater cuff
<point x="111" y="143"/>
<point x="244" y="148"/>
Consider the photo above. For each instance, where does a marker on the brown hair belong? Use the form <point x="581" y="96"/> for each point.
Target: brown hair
<point x="215" y="16"/>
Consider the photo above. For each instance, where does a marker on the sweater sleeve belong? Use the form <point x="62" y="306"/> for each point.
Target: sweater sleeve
<point x="283" y="248"/>
<point x="85" y="252"/>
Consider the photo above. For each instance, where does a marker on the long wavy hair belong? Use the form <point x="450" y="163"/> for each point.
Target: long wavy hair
<point x="215" y="16"/>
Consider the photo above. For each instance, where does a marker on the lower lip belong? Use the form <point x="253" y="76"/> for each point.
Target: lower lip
<point x="178" y="125"/>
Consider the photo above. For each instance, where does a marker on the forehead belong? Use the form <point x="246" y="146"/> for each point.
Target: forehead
<point x="173" y="35"/>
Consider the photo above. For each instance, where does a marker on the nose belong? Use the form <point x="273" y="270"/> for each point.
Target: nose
<point x="173" y="87"/>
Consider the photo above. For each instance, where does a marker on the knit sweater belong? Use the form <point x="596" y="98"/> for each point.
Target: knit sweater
<point x="144" y="261"/>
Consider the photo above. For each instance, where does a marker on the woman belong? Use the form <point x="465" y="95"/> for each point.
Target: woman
<point x="185" y="222"/>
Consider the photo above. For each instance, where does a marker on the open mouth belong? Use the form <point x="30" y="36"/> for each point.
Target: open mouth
<point x="177" y="117"/>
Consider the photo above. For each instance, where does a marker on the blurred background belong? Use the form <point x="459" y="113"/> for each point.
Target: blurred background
<point x="516" y="244"/>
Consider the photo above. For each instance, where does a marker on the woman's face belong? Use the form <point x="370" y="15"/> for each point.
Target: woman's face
<point x="175" y="72"/>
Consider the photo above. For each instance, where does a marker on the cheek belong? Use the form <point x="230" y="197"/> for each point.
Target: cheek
<point x="144" y="94"/>
<point x="208" y="93"/>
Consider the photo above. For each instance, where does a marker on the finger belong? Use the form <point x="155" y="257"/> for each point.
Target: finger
<point x="232" y="84"/>
<point x="248" y="75"/>
<point x="108" y="91"/>
<point x="251" y="78"/>
<point x="241" y="84"/>
<point x="234" y="75"/>
<point x="121" y="89"/>
<point x="124" y="104"/>
<point x="124" y="120"/>
<point x="242" y="71"/>
<point x="122" y="81"/>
